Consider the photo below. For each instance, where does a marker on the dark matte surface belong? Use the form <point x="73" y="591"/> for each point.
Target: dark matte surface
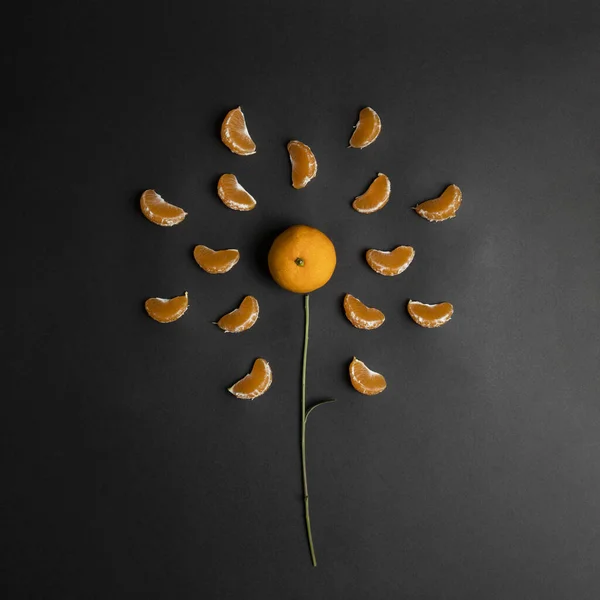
<point x="132" y="473"/>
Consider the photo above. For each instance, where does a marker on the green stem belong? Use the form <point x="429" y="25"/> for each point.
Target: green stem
<point x="303" y="435"/>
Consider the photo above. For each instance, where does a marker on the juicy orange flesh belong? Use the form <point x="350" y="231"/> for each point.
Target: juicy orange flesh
<point x="358" y="312"/>
<point x="302" y="259"/>
<point x="393" y="260"/>
<point x="168" y="311"/>
<point x="234" y="133"/>
<point x="158" y="210"/>
<point x="450" y="196"/>
<point x="366" y="129"/>
<point x="303" y="164"/>
<point x="255" y="380"/>
<point x="233" y="320"/>
<point x="434" y="312"/>
<point x="375" y="194"/>
<point x="214" y="260"/>
<point x="366" y="381"/>
<point x="233" y="194"/>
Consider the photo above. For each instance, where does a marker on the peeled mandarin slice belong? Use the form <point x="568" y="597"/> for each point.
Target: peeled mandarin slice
<point x="442" y="208"/>
<point x="390" y="263"/>
<point x="367" y="129"/>
<point x="430" y="315"/>
<point x="233" y="195"/>
<point x="216" y="261"/>
<point x="364" y="380"/>
<point x="376" y="196"/>
<point x="234" y="133"/>
<point x="304" y="164"/>
<point x="256" y="383"/>
<point x="241" y="318"/>
<point x="361" y="315"/>
<point x="158" y="211"/>
<point x="167" y="310"/>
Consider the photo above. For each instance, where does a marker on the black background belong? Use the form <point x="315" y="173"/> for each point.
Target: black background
<point x="130" y="472"/>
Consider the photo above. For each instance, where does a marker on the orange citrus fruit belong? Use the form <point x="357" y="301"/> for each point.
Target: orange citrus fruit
<point x="216" y="261"/>
<point x="256" y="383"/>
<point x="159" y="211"/>
<point x="241" y="318"/>
<point x="443" y="207"/>
<point x="376" y="196"/>
<point x="430" y="315"/>
<point x="364" y="380"/>
<point x="234" y="133"/>
<point x="167" y="310"/>
<point x="302" y="259"/>
<point x="233" y="195"/>
<point x="304" y="164"/>
<point x="361" y="315"/>
<point x="392" y="262"/>
<point x="367" y="129"/>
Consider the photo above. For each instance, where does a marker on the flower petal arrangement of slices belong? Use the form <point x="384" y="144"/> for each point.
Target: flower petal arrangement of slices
<point x="389" y="263"/>
<point x="301" y="260"/>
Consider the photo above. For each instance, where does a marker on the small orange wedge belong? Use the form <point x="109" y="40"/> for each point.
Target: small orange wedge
<point x="167" y="310"/>
<point x="361" y="315"/>
<point x="442" y="208"/>
<point x="390" y="263"/>
<point x="256" y="383"/>
<point x="367" y="129"/>
<point x="234" y="133"/>
<point x="376" y="196"/>
<point x="430" y="315"/>
<point x="364" y="380"/>
<point x="233" y="195"/>
<point x="158" y="211"/>
<point x="304" y="164"/>
<point x="241" y="318"/>
<point x="216" y="261"/>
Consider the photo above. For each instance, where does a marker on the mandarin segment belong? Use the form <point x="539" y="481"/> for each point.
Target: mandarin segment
<point x="367" y="129"/>
<point x="304" y="164"/>
<point x="233" y="195"/>
<point x="234" y="133"/>
<point x="430" y="315"/>
<point x="216" y="261"/>
<point x="167" y="310"/>
<point x="364" y="380"/>
<point x="361" y="315"/>
<point x="160" y="212"/>
<point x="302" y="259"/>
<point x="256" y="383"/>
<point x="390" y="263"/>
<point x="242" y="318"/>
<point x="376" y="196"/>
<point x="443" y="207"/>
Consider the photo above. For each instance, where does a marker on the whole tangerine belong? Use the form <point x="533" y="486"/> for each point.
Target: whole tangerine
<point x="302" y="259"/>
